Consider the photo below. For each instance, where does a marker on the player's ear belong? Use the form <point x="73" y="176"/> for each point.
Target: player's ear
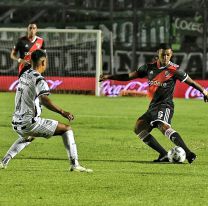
<point x="43" y="62"/>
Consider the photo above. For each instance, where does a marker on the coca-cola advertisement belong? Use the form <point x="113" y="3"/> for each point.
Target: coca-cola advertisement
<point x="9" y="83"/>
<point x="115" y="88"/>
<point x="137" y="87"/>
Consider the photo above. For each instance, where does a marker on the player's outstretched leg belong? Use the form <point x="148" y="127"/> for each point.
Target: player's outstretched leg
<point x="71" y="148"/>
<point x="16" y="148"/>
<point x="153" y="143"/>
<point x="177" y="140"/>
<point x="142" y="130"/>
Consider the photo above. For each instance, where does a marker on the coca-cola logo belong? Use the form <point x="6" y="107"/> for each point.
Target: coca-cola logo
<point x="54" y="83"/>
<point x="193" y="93"/>
<point x="114" y="90"/>
<point x="51" y="83"/>
<point x="184" y="24"/>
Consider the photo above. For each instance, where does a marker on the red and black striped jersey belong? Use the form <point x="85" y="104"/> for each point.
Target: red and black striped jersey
<point x="161" y="81"/>
<point x="25" y="47"/>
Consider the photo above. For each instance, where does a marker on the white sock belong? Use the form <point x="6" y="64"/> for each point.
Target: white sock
<point x="71" y="148"/>
<point x="16" y="148"/>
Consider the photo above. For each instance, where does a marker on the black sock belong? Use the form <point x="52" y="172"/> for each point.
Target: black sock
<point x="177" y="140"/>
<point x="154" y="144"/>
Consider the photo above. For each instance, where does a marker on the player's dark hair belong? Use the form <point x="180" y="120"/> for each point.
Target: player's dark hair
<point x="36" y="55"/>
<point x="164" y="46"/>
<point x="32" y="23"/>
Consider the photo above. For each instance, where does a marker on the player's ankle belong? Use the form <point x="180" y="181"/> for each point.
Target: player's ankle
<point x="74" y="162"/>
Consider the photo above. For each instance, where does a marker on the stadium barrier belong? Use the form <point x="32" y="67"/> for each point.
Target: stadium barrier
<point x="137" y="87"/>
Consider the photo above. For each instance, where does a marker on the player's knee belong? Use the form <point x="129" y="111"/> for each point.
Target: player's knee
<point x="163" y="127"/>
<point x="61" y="129"/>
<point x="68" y="128"/>
<point x="137" y="130"/>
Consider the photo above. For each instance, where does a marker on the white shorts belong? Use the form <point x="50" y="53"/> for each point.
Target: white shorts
<point x="41" y="128"/>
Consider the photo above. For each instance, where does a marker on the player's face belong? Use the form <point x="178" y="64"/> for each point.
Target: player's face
<point x="165" y="56"/>
<point x="31" y="30"/>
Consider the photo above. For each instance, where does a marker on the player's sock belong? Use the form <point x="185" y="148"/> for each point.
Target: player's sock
<point x="6" y="159"/>
<point x="16" y="148"/>
<point x="71" y="148"/>
<point x="176" y="139"/>
<point x="154" y="144"/>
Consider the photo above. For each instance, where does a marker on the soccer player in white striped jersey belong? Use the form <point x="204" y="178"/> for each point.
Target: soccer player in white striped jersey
<point x="32" y="91"/>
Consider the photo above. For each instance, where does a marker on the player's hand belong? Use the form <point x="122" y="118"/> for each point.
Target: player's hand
<point x="67" y="115"/>
<point x="104" y="77"/>
<point x="23" y="61"/>
<point x="26" y="62"/>
<point x="205" y="93"/>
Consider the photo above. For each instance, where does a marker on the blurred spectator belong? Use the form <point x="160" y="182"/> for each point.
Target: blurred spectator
<point x="149" y="3"/>
<point x="199" y="43"/>
<point x="192" y="43"/>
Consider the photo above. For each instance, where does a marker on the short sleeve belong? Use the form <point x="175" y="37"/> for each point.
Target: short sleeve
<point x="43" y="45"/>
<point x="181" y="75"/>
<point x="42" y="87"/>
<point x="142" y="71"/>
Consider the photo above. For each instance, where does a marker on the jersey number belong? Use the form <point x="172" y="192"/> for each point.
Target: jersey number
<point x="19" y="101"/>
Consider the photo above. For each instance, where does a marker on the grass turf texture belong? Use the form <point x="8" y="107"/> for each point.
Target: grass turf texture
<point x="123" y="170"/>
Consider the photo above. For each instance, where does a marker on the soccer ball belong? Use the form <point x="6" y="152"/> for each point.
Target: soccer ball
<point x="177" y="154"/>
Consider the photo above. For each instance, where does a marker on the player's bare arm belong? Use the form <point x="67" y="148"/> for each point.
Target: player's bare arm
<point x="197" y="86"/>
<point x="14" y="56"/>
<point x="120" y="77"/>
<point x="45" y="101"/>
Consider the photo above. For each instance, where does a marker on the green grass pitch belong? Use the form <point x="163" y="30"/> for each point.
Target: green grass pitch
<point x="123" y="170"/>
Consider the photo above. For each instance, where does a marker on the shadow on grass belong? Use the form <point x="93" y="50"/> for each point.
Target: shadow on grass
<point x="190" y="172"/>
<point x="95" y="160"/>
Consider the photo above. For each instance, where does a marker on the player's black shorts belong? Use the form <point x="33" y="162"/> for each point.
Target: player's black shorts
<point x="160" y="113"/>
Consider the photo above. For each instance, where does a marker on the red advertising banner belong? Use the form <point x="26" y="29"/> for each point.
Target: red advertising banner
<point x="9" y="83"/>
<point x="140" y="86"/>
<point x="108" y="88"/>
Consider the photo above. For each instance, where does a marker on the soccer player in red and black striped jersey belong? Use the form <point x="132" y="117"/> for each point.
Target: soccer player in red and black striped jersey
<point x="25" y="46"/>
<point x="162" y="75"/>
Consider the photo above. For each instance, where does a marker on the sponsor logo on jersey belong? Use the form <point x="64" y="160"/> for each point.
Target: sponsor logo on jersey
<point x="157" y="83"/>
<point x="28" y="53"/>
<point x="38" y="45"/>
<point x="167" y="73"/>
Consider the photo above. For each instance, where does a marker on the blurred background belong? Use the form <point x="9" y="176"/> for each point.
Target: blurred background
<point x="131" y="29"/>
